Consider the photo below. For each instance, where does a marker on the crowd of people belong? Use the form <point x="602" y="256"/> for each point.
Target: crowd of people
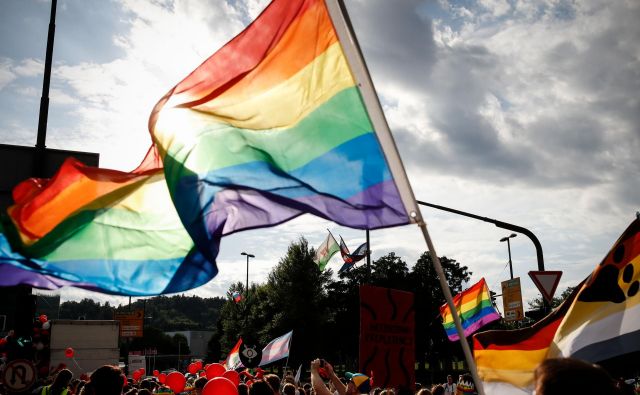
<point x="553" y="376"/>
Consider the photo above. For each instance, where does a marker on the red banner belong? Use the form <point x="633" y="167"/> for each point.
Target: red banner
<point x="387" y="330"/>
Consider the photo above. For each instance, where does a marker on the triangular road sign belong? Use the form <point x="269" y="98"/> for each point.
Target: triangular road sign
<point x="547" y="282"/>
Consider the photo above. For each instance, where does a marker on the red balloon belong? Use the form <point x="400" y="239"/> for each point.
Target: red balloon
<point x="143" y="371"/>
<point x="202" y="374"/>
<point x="162" y="378"/>
<point x="219" y="386"/>
<point x="176" y="381"/>
<point x="137" y="375"/>
<point x="69" y="352"/>
<point x="192" y="368"/>
<point x="156" y="373"/>
<point x="43" y="318"/>
<point x="3" y="341"/>
<point x="198" y="365"/>
<point x="233" y="376"/>
<point x="215" y="370"/>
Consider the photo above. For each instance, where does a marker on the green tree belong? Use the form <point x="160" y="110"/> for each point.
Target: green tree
<point x="536" y="304"/>
<point x="432" y="344"/>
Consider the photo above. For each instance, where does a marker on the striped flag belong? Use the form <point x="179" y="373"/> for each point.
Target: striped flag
<point x="233" y="359"/>
<point x="474" y="307"/>
<point x="277" y="349"/>
<point x="600" y="320"/>
<point x="327" y="249"/>
<point x="255" y="136"/>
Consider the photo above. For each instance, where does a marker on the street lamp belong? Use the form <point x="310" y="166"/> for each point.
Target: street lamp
<point x="509" y="249"/>
<point x="247" y="286"/>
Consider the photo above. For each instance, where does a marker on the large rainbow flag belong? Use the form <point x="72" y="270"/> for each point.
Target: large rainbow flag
<point x="474" y="307"/>
<point x="600" y="320"/>
<point x="271" y="126"/>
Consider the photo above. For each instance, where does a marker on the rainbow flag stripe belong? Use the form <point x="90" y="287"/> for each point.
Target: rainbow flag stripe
<point x="271" y="126"/>
<point x="100" y="229"/>
<point x="475" y="309"/>
<point x="256" y="139"/>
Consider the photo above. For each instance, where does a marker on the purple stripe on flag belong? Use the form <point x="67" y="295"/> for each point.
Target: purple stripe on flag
<point x="468" y="331"/>
<point x="11" y="275"/>
<point x="235" y="210"/>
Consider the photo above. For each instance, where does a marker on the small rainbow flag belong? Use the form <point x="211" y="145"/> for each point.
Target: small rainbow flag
<point x="475" y="309"/>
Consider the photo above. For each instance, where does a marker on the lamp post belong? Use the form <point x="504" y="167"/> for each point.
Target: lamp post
<point x="512" y="235"/>
<point x="247" y="286"/>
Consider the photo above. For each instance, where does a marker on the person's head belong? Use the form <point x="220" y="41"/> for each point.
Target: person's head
<point x="449" y="379"/>
<point x="357" y="383"/>
<point x="423" y="391"/>
<point x="62" y="380"/>
<point x="199" y="383"/>
<point x="567" y="375"/>
<point x="437" y="390"/>
<point x="289" y="389"/>
<point x="106" y="380"/>
<point x="274" y="382"/>
<point x="261" y="387"/>
<point x="243" y="389"/>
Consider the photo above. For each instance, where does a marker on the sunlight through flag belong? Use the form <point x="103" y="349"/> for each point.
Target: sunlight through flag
<point x="255" y="136"/>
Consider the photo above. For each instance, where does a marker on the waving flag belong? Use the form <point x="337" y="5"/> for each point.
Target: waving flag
<point x="99" y="229"/>
<point x="351" y="259"/>
<point x="327" y="249"/>
<point x="277" y="349"/>
<point x="233" y="359"/>
<point x="475" y="310"/>
<point x="600" y="320"/>
<point x="263" y="129"/>
<point x="254" y="137"/>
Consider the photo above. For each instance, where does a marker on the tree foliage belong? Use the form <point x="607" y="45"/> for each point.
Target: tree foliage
<point x="323" y="310"/>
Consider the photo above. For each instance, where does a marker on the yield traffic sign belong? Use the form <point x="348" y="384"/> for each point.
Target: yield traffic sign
<point x="547" y="282"/>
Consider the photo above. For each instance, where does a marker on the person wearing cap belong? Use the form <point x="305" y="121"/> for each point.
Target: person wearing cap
<point x="358" y="383"/>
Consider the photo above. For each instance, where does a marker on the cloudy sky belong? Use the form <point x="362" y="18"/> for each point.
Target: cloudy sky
<point x="522" y="111"/>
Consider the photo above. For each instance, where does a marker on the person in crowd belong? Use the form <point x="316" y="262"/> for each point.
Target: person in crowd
<point x="437" y="390"/>
<point x="307" y="388"/>
<point x="289" y="389"/>
<point x="357" y="383"/>
<point x="60" y="385"/>
<point x="243" y="389"/>
<point x="261" y="387"/>
<point x="198" y="385"/>
<point x="449" y="386"/>
<point x="556" y="376"/>
<point x="423" y="391"/>
<point x="106" y="380"/>
<point x="274" y="382"/>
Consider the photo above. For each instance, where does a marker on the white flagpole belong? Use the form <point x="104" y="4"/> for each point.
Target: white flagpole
<point x="286" y="364"/>
<point x="358" y="67"/>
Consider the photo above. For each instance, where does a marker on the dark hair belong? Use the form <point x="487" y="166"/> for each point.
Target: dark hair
<point x="106" y="380"/>
<point x="61" y="382"/>
<point x="200" y="382"/>
<point x="243" y="389"/>
<point x="261" y="387"/>
<point x="273" y="380"/>
<point x="289" y="389"/>
<point x="568" y="375"/>
<point x="438" y="390"/>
